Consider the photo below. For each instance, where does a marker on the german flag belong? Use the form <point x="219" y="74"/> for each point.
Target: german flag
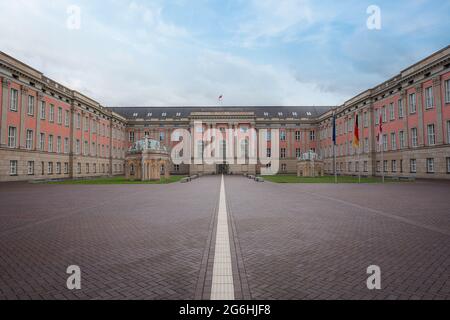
<point x="356" y="133"/>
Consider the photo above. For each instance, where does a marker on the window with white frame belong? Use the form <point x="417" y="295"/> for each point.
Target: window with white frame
<point x="430" y="165"/>
<point x="431" y="135"/>
<point x="30" y="105"/>
<point x="393" y="141"/>
<point x="85" y="148"/>
<point x="366" y="166"/>
<point x="87" y="168"/>
<point x="50" y="168"/>
<point x="29" y="140"/>
<point x="58" y="144"/>
<point x="394" y="166"/>
<point x="162" y="135"/>
<point x="377" y="116"/>
<point x="298" y="135"/>
<point x="366" y="119"/>
<point x="59" y="115"/>
<point x="429" y="99"/>
<point x="66" y="145"/>
<point x="51" y="113"/>
<point x="42" y="110"/>
<point x="12" y="137"/>
<point x="447" y="91"/>
<point x="283" y="135"/>
<point x="50" y="143"/>
<point x="131" y="136"/>
<point x="14" y="100"/>
<point x="283" y="167"/>
<point x="86" y="124"/>
<point x="412" y="103"/>
<point x="385" y="166"/>
<point x="384" y="114"/>
<point x="378" y="166"/>
<point x="391" y="111"/>
<point x="13" y="167"/>
<point x="77" y="146"/>
<point x="58" y="168"/>
<point x="401" y="110"/>
<point x="401" y="137"/>
<point x="66" y="118"/>
<point x="30" y="168"/>
<point x="283" y="153"/>
<point x="413" y="165"/>
<point x="385" y="142"/>
<point x="414" y="141"/>
<point x="448" y="132"/>
<point x="66" y="167"/>
<point x="268" y="153"/>
<point x="366" y="145"/>
<point x="42" y="141"/>
<point x="78" y="120"/>
<point x="312" y="135"/>
<point x="298" y="153"/>
<point x="79" y="168"/>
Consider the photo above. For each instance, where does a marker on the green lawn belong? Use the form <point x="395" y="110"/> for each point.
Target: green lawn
<point x="117" y="180"/>
<point x="326" y="179"/>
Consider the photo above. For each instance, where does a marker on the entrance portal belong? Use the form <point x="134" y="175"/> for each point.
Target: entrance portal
<point x="222" y="168"/>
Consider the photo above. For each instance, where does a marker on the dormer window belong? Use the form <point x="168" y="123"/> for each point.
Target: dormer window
<point x="178" y="114"/>
<point x="149" y="114"/>
<point x="135" y="114"/>
<point x="266" y="114"/>
<point x="280" y="114"/>
<point x="164" y="114"/>
<point x="309" y="114"/>
<point x="294" y="114"/>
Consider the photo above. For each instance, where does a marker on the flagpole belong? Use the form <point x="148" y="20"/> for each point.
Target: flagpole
<point x="382" y="158"/>
<point x="359" y="164"/>
<point x="335" y="164"/>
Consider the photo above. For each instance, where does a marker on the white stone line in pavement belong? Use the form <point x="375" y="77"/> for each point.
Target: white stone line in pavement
<point x="222" y="279"/>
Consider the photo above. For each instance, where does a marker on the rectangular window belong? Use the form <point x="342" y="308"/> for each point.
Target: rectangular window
<point x="312" y="135"/>
<point x="401" y="111"/>
<point x="384" y="114"/>
<point x="87" y="167"/>
<point x="393" y="141"/>
<point x="282" y="135"/>
<point x="385" y="142"/>
<point x="366" y="166"/>
<point x="391" y="111"/>
<point x="42" y="142"/>
<point x="269" y="152"/>
<point x="79" y="168"/>
<point x="283" y="153"/>
<point x="29" y="140"/>
<point x="66" y="167"/>
<point x="298" y="153"/>
<point x="447" y="91"/>
<point x="401" y="137"/>
<point x="50" y="143"/>
<point x="59" y="115"/>
<point x="357" y="166"/>
<point x="162" y="136"/>
<point x="66" y="118"/>
<point x="412" y="103"/>
<point x="51" y="113"/>
<point x="378" y="166"/>
<point x="366" y="145"/>
<point x="12" y="137"/>
<point x="283" y="167"/>
<point x="95" y="168"/>
<point x="429" y="99"/>
<point x="394" y="166"/>
<point x="413" y="165"/>
<point x="58" y="144"/>
<point x="30" y="105"/>
<point x="66" y="145"/>
<point x="269" y="135"/>
<point x="431" y="135"/>
<point x="448" y="132"/>
<point x="30" y="166"/>
<point x="42" y="110"/>
<point x="385" y="166"/>
<point x="86" y="124"/>
<point x="58" y="168"/>
<point x="78" y="121"/>
<point x="430" y="165"/>
<point x="77" y="147"/>
<point x="297" y="135"/>
<point x="131" y="136"/>
<point x="50" y="168"/>
<point x="14" y="100"/>
<point x="448" y="164"/>
<point x="414" y="142"/>
<point x="366" y="119"/>
<point x="13" y="167"/>
<point x="377" y="116"/>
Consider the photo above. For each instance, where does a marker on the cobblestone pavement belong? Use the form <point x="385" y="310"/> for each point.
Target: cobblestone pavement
<point x="289" y="241"/>
<point x="303" y="241"/>
<point x="130" y="241"/>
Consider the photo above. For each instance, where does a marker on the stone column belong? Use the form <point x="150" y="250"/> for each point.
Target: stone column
<point x="438" y="103"/>
<point x="404" y="97"/>
<point x="5" y="107"/>
<point x="420" y="133"/>
<point x="37" y="134"/>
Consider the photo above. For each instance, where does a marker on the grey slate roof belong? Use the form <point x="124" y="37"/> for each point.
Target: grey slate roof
<point x="184" y="112"/>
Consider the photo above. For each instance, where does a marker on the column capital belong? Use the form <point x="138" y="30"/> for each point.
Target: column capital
<point x="5" y="82"/>
<point x="437" y="81"/>
<point x="419" y="87"/>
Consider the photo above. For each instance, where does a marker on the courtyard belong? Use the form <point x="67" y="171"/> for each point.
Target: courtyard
<point x="287" y="241"/>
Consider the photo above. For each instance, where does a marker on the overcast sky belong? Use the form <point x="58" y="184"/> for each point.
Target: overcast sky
<point x="254" y="52"/>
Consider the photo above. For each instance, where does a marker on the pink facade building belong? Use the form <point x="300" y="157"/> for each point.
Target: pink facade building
<point x="48" y="131"/>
